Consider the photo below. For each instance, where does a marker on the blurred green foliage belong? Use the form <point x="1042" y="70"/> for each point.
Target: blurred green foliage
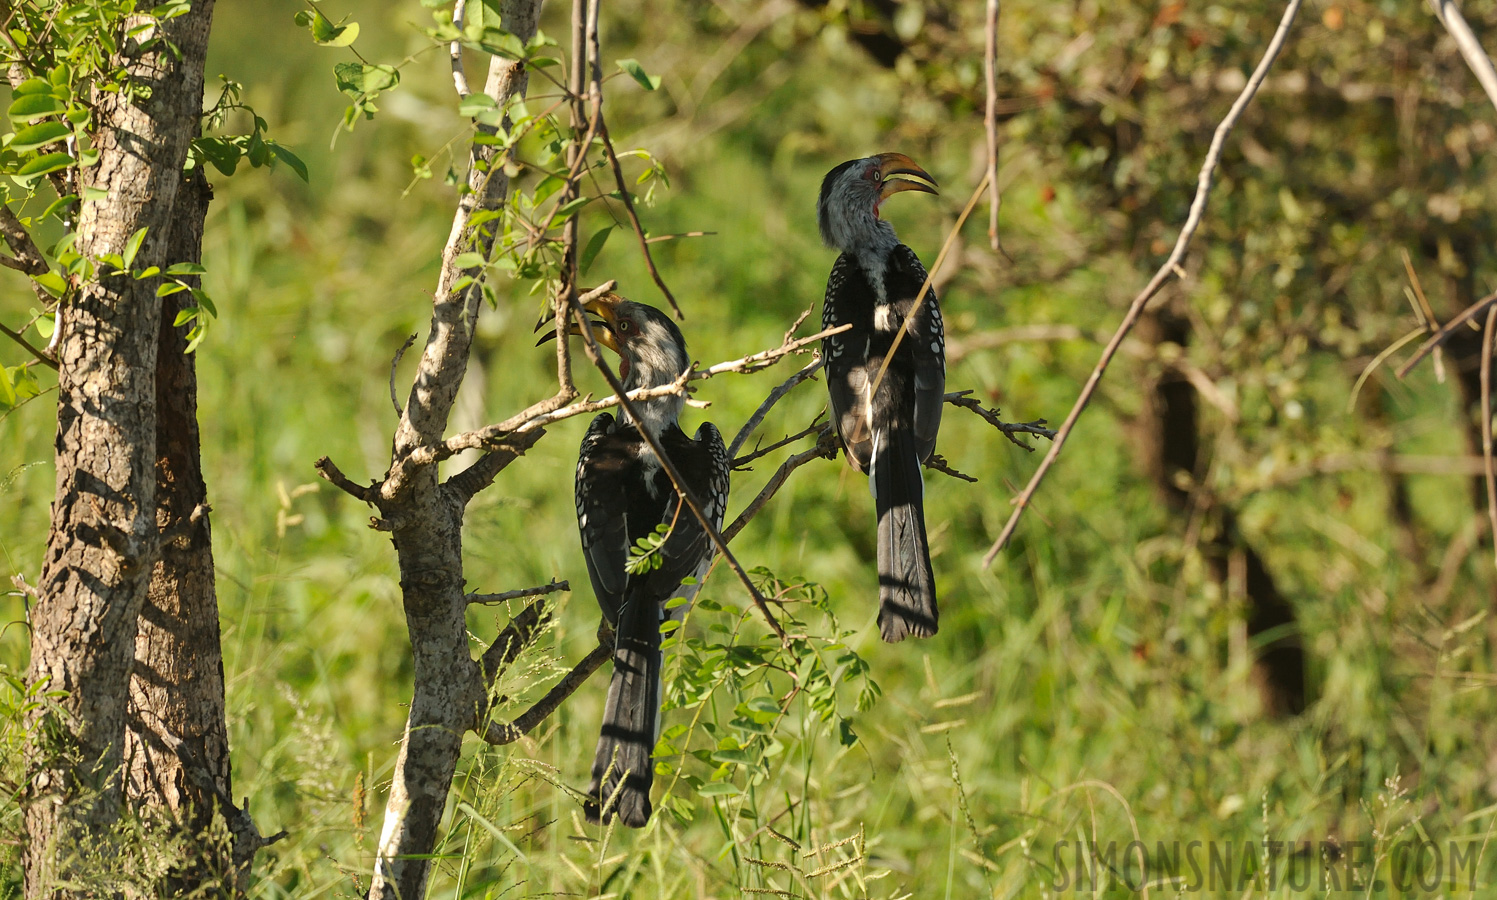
<point x="1096" y="683"/>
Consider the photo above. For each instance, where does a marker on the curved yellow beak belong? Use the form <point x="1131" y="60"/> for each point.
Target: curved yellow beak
<point x="604" y="307"/>
<point x="893" y="165"/>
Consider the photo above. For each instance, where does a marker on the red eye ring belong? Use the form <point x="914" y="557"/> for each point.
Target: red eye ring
<point x="624" y="326"/>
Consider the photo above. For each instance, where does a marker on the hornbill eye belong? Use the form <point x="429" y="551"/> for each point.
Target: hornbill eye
<point x="625" y="327"/>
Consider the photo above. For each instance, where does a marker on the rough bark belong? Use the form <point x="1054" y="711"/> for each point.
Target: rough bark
<point x="104" y="538"/>
<point x="426" y="524"/>
<point x="177" y="745"/>
<point x="1169" y="445"/>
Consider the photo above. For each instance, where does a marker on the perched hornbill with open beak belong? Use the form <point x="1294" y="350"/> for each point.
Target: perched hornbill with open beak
<point x="888" y="426"/>
<point x="623" y="493"/>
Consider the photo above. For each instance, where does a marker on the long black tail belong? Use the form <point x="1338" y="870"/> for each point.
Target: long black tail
<point x="906" y="584"/>
<point x="622" y="769"/>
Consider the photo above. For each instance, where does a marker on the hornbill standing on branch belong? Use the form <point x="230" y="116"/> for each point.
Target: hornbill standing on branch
<point x="886" y="400"/>
<point x="623" y="496"/>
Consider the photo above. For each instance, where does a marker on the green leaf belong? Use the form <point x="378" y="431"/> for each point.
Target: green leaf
<point x="132" y="247"/>
<point x="171" y="287"/>
<point x="634" y="70"/>
<point x="468" y="260"/>
<point x="342" y="36"/>
<point x="58" y="205"/>
<point x="50" y="162"/>
<point x="720" y="789"/>
<point x="593" y="248"/>
<point x="222" y="153"/>
<point x="39" y="135"/>
<point x="479" y="106"/>
<point x="45" y="325"/>
<point x="292" y="161"/>
<point x="147" y="272"/>
<point x="566" y="210"/>
<point x="30" y="107"/>
<point x="52" y="282"/>
<point x="7" y="391"/>
<point x="185" y="268"/>
<point x="185" y="316"/>
<point x="742" y="757"/>
<point x="33" y="86"/>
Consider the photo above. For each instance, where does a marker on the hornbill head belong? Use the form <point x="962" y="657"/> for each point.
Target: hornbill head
<point x="851" y="194"/>
<point x="651" y="349"/>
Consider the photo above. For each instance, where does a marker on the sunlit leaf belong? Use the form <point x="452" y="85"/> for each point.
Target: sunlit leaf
<point x="634" y="70"/>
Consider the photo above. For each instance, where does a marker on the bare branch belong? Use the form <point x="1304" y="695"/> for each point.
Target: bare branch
<point x="395" y="363"/>
<point x="1481" y="65"/>
<point x="827" y="443"/>
<point x="938" y="463"/>
<point x="1170" y="267"/>
<point x="741" y="463"/>
<point x="537" y="591"/>
<point x="990" y="123"/>
<point x="1009" y="429"/>
<point x="19" y="338"/>
<point x="757" y="418"/>
<point x="1486" y="424"/>
<point x="455" y="49"/>
<point x="467" y="483"/>
<point x="500" y="734"/>
<point x="330" y="471"/>
<point x="1446" y="330"/>
<point x="527" y="421"/>
<point x="639" y="230"/>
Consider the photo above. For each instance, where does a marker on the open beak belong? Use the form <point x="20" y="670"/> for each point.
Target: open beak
<point x="603" y="308"/>
<point x="893" y="165"/>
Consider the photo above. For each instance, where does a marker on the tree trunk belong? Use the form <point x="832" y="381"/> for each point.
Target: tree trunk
<point x="426" y="518"/>
<point x="177" y="746"/>
<point x="104" y="538"/>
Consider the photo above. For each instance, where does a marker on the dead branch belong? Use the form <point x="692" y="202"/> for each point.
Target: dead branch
<point x="741" y="463"/>
<point x="808" y="371"/>
<point x="1009" y="429"/>
<point x="1446" y="330"/>
<point x="1486" y="423"/>
<point x="1481" y="65"/>
<point x="990" y="123"/>
<point x="330" y="471"/>
<point x="455" y="50"/>
<point x="1170" y="267"/>
<point x="538" y="591"/>
<point x="938" y="463"/>
<point x="827" y="443"/>
<point x="515" y="425"/>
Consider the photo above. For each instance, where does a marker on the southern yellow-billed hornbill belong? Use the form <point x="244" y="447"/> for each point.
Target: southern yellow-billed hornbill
<point x="623" y="493"/>
<point x="888" y="425"/>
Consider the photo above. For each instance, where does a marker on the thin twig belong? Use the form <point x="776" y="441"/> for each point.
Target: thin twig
<point x="1009" y="429"/>
<point x="1486" y="424"/>
<point x="938" y="463"/>
<point x="330" y="471"/>
<point x="827" y="443"/>
<point x="1481" y="64"/>
<point x="395" y="364"/>
<point x="538" y="591"/>
<point x="639" y="230"/>
<point x="1446" y="330"/>
<point x="1171" y="267"/>
<point x="740" y="463"/>
<point x="526" y="422"/>
<point x="757" y="418"/>
<point x="455" y="49"/>
<point x="21" y="339"/>
<point x="990" y="123"/>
